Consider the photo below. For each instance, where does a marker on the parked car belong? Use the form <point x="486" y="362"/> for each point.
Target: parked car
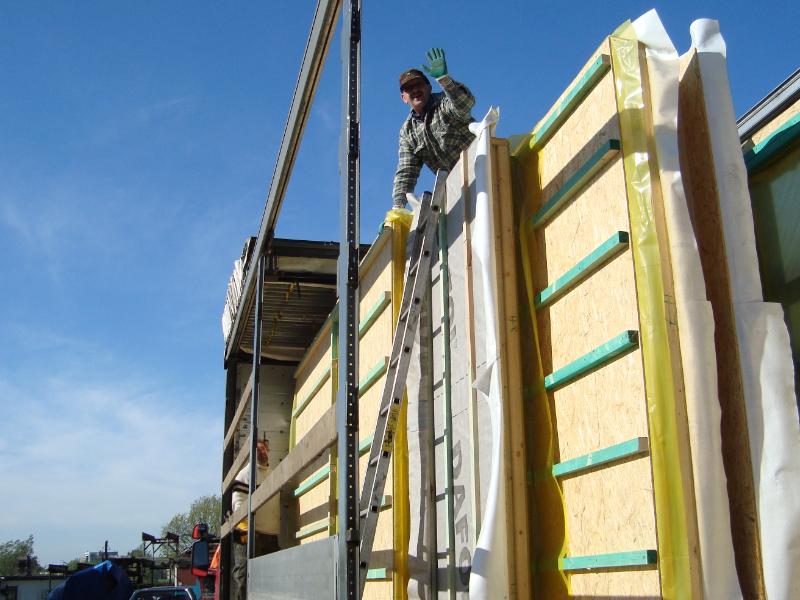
<point x="165" y="592"/>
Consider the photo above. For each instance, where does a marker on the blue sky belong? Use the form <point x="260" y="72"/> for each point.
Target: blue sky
<point x="137" y="142"/>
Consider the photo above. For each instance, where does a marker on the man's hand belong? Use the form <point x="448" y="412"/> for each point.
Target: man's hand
<point x="437" y="66"/>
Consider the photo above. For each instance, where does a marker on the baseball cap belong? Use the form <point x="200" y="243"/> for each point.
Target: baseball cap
<point x="407" y="77"/>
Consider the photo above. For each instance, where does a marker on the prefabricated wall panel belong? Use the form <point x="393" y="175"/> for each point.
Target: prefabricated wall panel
<point x="574" y="188"/>
<point x="703" y="198"/>
<point x="315" y="392"/>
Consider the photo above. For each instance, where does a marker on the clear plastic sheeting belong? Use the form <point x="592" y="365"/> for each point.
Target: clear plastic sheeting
<point x="767" y="369"/>
<point x="696" y="331"/>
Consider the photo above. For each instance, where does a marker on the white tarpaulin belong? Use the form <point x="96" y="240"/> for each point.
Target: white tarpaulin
<point x="763" y="341"/>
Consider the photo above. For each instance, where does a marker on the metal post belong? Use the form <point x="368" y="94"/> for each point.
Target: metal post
<point x="257" y="322"/>
<point x="347" y="287"/>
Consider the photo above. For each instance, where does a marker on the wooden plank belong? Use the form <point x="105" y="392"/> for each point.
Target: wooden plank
<point x="624" y="342"/>
<point x="376" y="574"/>
<point x="614" y="560"/>
<point x="374" y="312"/>
<point x="311" y="393"/>
<point x="244" y="402"/>
<point x="236" y="466"/>
<point x="321" y="437"/>
<point x="320" y="475"/>
<point x="311" y="529"/>
<point x="604" y="456"/>
<point x="703" y="199"/>
<point x="375" y="373"/>
<point x="575" y="95"/>
<point x="510" y="365"/>
<point x="577" y="182"/>
<point x="585" y="267"/>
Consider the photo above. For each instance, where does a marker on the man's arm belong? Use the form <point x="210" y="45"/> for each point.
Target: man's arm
<point x="458" y="100"/>
<point x="408" y="168"/>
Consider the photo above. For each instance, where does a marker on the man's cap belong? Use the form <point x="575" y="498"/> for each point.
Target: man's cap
<point x="407" y="77"/>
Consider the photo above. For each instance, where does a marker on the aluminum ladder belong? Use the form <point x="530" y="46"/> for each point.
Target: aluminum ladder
<point x="416" y="285"/>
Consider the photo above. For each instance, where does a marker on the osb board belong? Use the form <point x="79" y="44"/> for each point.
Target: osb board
<point x="601" y="409"/>
<point x="378" y="590"/>
<point x="592" y="123"/>
<point x="597" y="310"/>
<point x="776" y="123"/>
<point x="702" y="196"/>
<point x="615" y="585"/>
<point x="585" y="222"/>
<point x="620" y="519"/>
<point x="319" y="403"/>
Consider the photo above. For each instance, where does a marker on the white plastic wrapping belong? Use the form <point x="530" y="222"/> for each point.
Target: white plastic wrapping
<point x="489" y="575"/>
<point x="767" y="369"/>
<point x="695" y="318"/>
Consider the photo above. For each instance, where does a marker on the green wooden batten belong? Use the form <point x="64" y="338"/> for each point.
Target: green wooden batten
<point x="322" y="474"/>
<point x="377" y="574"/>
<point x="577" y="182"/>
<point x="374" y="312"/>
<point x="623" y="343"/>
<point x="313" y="392"/>
<point x="312" y="528"/>
<point x="373" y="376"/>
<point x="604" y="456"/>
<point x="763" y="153"/>
<point x="576" y="94"/>
<point x="613" y="246"/>
<point x="614" y="560"/>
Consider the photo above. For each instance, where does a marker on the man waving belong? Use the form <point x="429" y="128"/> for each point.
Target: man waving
<point x="437" y="128"/>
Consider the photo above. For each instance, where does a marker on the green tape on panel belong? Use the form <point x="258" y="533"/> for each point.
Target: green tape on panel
<point x="604" y="456"/>
<point x="614" y="560"/>
<point x="571" y="101"/>
<point x="624" y="342"/>
<point x="576" y="183"/>
<point x="588" y="265"/>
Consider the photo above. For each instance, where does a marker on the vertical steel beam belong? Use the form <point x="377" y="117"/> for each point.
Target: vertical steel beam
<point x="347" y="287"/>
<point x="257" y="327"/>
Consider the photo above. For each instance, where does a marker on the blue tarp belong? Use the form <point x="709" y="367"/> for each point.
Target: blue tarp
<point x="105" y="581"/>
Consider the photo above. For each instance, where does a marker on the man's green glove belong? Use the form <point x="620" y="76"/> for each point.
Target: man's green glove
<point x="437" y="66"/>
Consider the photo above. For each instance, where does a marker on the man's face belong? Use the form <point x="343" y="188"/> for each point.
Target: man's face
<point x="416" y="94"/>
<point x="262" y="453"/>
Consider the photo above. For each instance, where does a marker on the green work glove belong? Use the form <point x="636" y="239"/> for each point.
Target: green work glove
<point x="437" y="66"/>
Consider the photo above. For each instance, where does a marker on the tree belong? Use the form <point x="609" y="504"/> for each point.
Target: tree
<point x="206" y="509"/>
<point x="14" y="550"/>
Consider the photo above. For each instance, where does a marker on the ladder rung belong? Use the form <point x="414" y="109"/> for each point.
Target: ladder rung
<point x="374" y="461"/>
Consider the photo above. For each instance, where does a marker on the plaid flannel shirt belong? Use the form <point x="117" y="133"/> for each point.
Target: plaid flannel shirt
<point x="436" y="139"/>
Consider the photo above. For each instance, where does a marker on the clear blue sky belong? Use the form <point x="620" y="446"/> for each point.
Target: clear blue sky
<point x="137" y="141"/>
